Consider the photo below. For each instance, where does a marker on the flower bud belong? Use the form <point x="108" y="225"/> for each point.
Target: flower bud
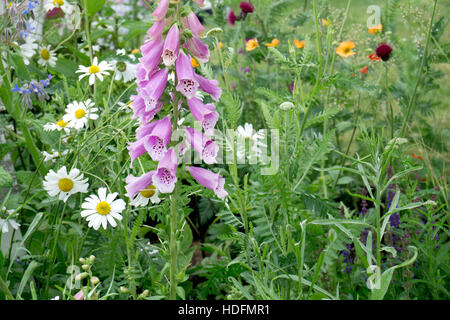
<point x="123" y="290"/>
<point x="91" y="259"/>
<point x="287" y="106"/>
<point x="81" y="276"/>
<point x="85" y="266"/>
<point x="95" y="280"/>
<point x="82" y="260"/>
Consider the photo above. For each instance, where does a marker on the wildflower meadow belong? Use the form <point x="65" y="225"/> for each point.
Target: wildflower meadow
<point x="224" y="150"/>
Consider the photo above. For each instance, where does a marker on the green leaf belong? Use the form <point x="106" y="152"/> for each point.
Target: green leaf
<point x="94" y="6"/>
<point x="5" y="179"/>
<point x="19" y="65"/>
<point x="33" y="265"/>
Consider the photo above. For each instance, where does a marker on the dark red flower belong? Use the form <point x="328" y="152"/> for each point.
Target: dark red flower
<point x="231" y="17"/>
<point x="246" y="7"/>
<point x="384" y="51"/>
<point x="56" y="12"/>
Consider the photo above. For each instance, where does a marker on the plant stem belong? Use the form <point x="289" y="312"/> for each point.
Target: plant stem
<point x="5" y="289"/>
<point x="388" y="100"/>
<point x="411" y="104"/>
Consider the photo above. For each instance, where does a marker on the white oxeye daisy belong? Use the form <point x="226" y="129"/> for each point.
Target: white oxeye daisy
<point x="65" y="5"/>
<point x="28" y="49"/>
<point x="255" y="139"/>
<point x="47" y="56"/>
<point x="65" y="184"/>
<point x="124" y="70"/>
<point x="54" y="155"/>
<point x="78" y="113"/>
<point x="142" y="198"/>
<point x="102" y="209"/>
<point x="8" y="222"/>
<point x="59" y="125"/>
<point x="95" y="70"/>
<point x="125" y="106"/>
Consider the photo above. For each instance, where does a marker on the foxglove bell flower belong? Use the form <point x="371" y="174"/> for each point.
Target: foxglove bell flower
<point x="156" y="138"/>
<point x="209" y="86"/>
<point x="151" y="57"/>
<point x="210" y="180"/>
<point x="198" y="49"/>
<point x="155" y="32"/>
<point x="140" y="109"/>
<point x="187" y="84"/>
<point x="136" y="185"/>
<point x="204" y="113"/>
<point x="161" y="10"/>
<point x="154" y="89"/>
<point x="171" y="46"/>
<point x="166" y="174"/>
<point x="205" y="147"/>
<point x="192" y="23"/>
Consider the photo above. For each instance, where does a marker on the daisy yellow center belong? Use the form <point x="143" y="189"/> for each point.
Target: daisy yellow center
<point x="103" y="208"/>
<point x="94" y="69"/>
<point x="148" y="192"/>
<point x="61" y="123"/>
<point x="65" y="184"/>
<point x="58" y="2"/>
<point x="45" y="54"/>
<point x="80" y="113"/>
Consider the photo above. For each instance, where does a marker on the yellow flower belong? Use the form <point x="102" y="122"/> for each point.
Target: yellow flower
<point x="299" y="44"/>
<point x="251" y="44"/>
<point x="345" y="49"/>
<point x="376" y="29"/>
<point x="135" y="51"/>
<point x="274" y="43"/>
<point x="325" y="22"/>
<point x="220" y="45"/>
<point x="194" y="63"/>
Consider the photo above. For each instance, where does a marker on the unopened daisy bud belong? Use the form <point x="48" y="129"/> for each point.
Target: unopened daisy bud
<point x="286" y="106"/>
<point x="123" y="290"/>
<point x="95" y="280"/>
<point x="81" y="276"/>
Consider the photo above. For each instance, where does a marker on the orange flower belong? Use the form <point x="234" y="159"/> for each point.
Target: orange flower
<point x="376" y="29"/>
<point x="374" y="57"/>
<point x="274" y="43"/>
<point x="251" y="44"/>
<point x="364" y="70"/>
<point x="325" y="22"/>
<point x="194" y="63"/>
<point x="420" y="158"/>
<point x="299" y="44"/>
<point x="135" y="51"/>
<point x="345" y="49"/>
